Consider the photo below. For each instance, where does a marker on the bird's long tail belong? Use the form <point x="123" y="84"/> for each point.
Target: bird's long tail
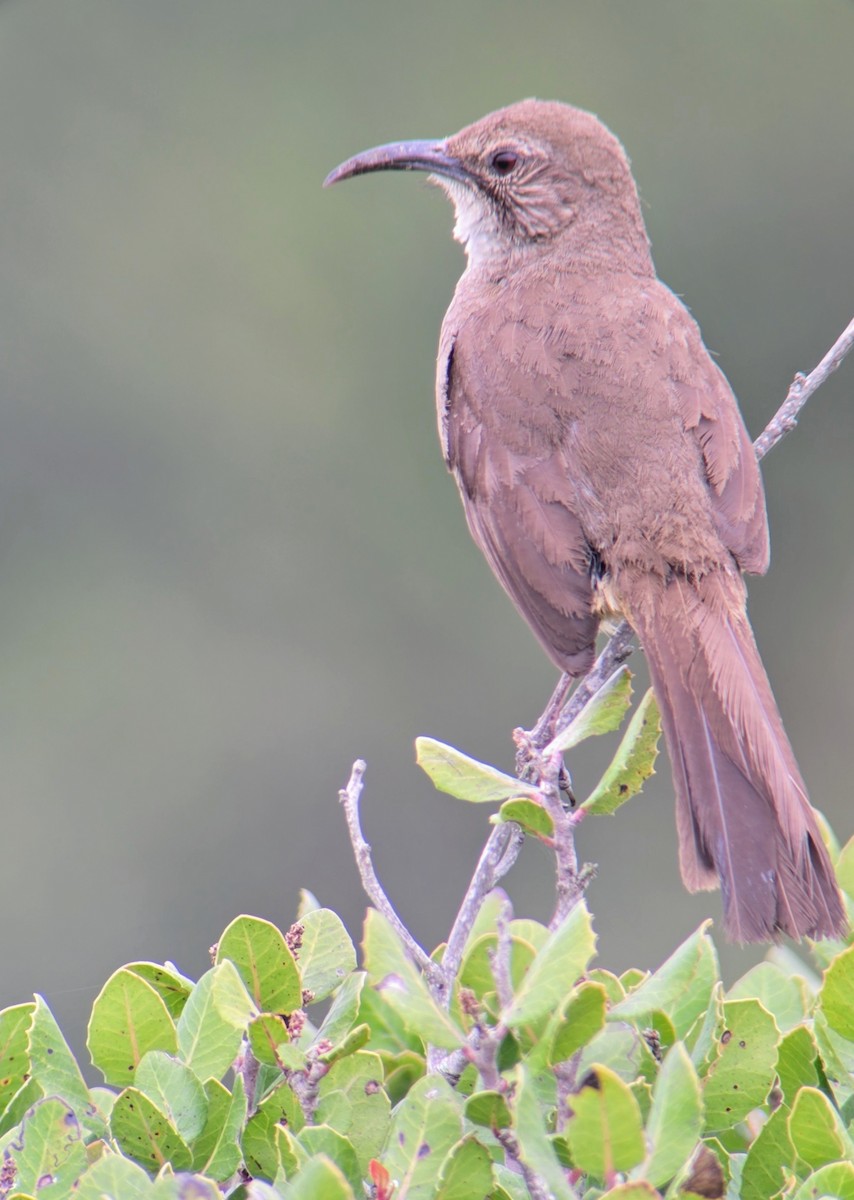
<point x="742" y="811"/>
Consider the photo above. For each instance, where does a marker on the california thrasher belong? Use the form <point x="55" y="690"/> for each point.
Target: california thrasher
<point x="605" y="468"/>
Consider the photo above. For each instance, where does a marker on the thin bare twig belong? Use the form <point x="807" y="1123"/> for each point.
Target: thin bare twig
<point x="497" y="857"/>
<point x="349" y="797"/>
<point x="803" y="386"/>
<point x="500" y="958"/>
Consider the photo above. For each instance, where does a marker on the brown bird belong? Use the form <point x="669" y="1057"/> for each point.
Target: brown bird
<point x="605" y="468"/>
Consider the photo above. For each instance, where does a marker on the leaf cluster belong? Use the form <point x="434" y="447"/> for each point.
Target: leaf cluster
<point x="551" y="1072"/>
<point x="289" y="1071"/>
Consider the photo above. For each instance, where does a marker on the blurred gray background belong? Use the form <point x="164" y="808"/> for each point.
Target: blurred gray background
<point x="230" y="557"/>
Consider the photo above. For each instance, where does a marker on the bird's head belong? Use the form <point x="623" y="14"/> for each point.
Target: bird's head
<point x="523" y="177"/>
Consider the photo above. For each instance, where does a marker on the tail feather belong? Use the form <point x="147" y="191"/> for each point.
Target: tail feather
<point x="742" y="811"/>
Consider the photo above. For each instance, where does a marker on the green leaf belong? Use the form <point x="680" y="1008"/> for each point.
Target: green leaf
<point x="401" y="1073"/>
<point x="211" y="1027"/>
<point x="771" y="1154"/>
<point x="264" y="1150"/>
<point x="536" y="1148"/>
<point x="320" y="1179"/>
<point x="15" y="1024"/>
<point x="264" y="962"/>
<point x="796" y="1062"/>
<point x="128" y="1019"/>
<point x="49" y="1156"/>
<point x="702" y="1037"/>
<point x="603" y="712"/>
<point x="476" y="971"/>
<point x="344" y="1010"/>
<point x="172" y="987"/>
<point x="487" y="919"/>
<point x="282" y="1107"/>
<point x="466" y="1173"/>
<point x="777" y="992"/>
<point x="529" y="814"/>
<point x="681" y="987"/>
<point x="582" y="1017"/>
<point x="837" y="1053"/>
<point x="216" y="1151"/>
<point x="327" y="954"/>
<point x="510" y="1185"/>
<point x="835" y="1180"/>
<point x="609" y="981"/>
<point x="465" y="778"/>
<point x="621" y="1048"/>
<point x="19" y="1105"/>
<point x="392" y="973"/>
<point x="836" y="992"/>
<point x="175" y="1090"/>
<point x="816" y="1131"/>
<point x="146" y="1134"/>
<point x="489" y="1109"/>
<point x="604" y="1133"/>
<point x="268" y="1034"/>
<point x="743" y="1071"/>
<point x="323" y="1139"/>
<point x="633" y="763"/>
<point x="533" y="932"/>
<point x="55" y="1068"/>
<point x="389" y="1034"/>
<point x="355" y="1040"/>
<point x="115" y="1177"/>
<point x="352" y="1100"/>
<point x="425" y="1127"/>
<point x="676" y="1118"/>
<point x="564" y="957"/>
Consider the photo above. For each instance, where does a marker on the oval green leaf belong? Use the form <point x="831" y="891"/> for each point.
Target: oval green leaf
<point x="264" y="962"/>
<point x="465" y="778"/>
<point x="128" y="1019"/>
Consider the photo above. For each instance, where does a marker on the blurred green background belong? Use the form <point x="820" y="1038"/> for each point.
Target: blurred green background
<point x="230" y="557"/>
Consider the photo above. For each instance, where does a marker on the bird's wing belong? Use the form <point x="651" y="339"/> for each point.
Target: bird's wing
<point x="710" y="412"/>
<point x="516" y="506"/>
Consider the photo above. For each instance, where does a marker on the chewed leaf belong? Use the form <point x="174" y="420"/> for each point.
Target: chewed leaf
<point x="633" y="763"/>
<point x="465" y="778"/>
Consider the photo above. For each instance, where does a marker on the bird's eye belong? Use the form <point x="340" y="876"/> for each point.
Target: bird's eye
<point x="504" y="161"/>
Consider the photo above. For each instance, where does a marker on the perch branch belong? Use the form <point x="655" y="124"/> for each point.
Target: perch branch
<point x="803" y="386"/>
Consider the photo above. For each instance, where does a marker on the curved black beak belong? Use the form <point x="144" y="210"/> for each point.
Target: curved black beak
<point x="402" y="156"/>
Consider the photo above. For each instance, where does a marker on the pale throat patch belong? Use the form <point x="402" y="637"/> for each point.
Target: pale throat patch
<point x="476" y="227"/>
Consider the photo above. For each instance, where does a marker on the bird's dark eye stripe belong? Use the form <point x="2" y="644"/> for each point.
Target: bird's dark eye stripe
<point x="504" y="161"/>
